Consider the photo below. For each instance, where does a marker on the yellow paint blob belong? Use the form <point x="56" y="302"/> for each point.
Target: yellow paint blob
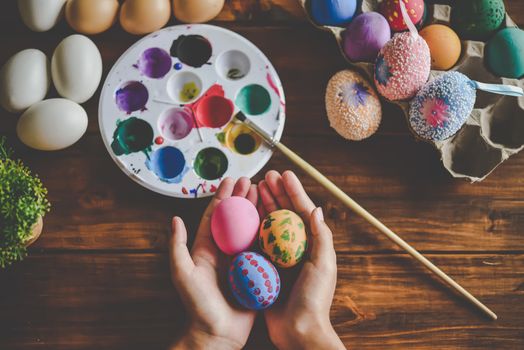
<point x="189" y="91"/>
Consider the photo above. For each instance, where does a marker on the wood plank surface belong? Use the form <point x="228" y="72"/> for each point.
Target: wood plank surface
<point x="98" y="276"/>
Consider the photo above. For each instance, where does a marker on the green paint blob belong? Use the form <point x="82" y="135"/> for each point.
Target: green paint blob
<point x="253" y="99"/>
<point x="245" y="144"/>
<point x="189" y="91"/>
<point x="132" y="135"/>
<point x="210" y="163"/>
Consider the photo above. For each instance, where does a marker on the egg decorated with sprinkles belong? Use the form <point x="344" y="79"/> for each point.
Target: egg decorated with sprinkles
<point x="253" y="280"/>
<point x="477" y="19"/>
<point x="402" y="66"/>
<point x="352" y="105"/>
<point x="390" y="9"/>
<point x="443" y="105"/>
<point x="283" y="238"/>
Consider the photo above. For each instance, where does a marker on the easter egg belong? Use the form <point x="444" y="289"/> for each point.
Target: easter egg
<point x="442" y="106"/>
<point x="505" y="53"/>
<point x="76" y="68"/>
<point x="91" y="16"/>
<point x="365" y="36"/>
<point x="197" y="11"/>
<point x="41" y="15"/>
<point x="352" y="105"/>
<point x="24" y="80"/>
<point x="283" y="238"/>
<point x="234" y="224"/>
<point x="402" y="67"/>
<point x="254" y="281"/>
<point x="52" y="124"/>
<point x="444" y="46"/>
<point x="477" y="19"/>
<point x="333" y="12"/>
<point x="144" y="16"/>
<point x="390" y="9"/>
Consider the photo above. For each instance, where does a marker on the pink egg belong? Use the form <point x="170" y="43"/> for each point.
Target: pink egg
<point x="234" y="225"/>
<point x="402" y="66"/>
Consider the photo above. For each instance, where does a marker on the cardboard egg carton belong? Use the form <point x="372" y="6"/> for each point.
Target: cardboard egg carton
<point x="495" y="129"/>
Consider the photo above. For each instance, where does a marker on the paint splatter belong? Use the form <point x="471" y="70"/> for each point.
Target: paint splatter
<point x="159" y="140"/>
<point x="193" y="50"/>
<point x="176" y="123"/>
<point x="132" y="97"/>
<point x="154" y="63"/>
<point x="189" y="91"/>
<point x="253" y="99"/>
<point x="210" y="163"/>
<point x="178" y="66"/>
<point x="132" y="135"/>
<point x="235" y="74"/>
<point x="168" y="163"/>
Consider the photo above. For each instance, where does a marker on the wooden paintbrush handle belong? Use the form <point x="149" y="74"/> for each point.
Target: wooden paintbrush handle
<point x="350" y="203"/>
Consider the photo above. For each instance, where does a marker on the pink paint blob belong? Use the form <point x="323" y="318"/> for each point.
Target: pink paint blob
<point x="176" y="123"/>
<point x="214" y="111"/>
<point x="234" y="225"/>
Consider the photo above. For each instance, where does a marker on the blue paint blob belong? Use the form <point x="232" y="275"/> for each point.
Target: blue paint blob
<point x="178" y="66"/>
<point x="333" y="12"/>
<point x="168" y="163"/>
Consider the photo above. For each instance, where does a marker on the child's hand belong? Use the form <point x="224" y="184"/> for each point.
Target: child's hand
<point x="302" y="322"/>
<point x="215" y="322"/>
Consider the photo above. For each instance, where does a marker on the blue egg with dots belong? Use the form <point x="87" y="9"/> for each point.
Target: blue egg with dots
<point x="442" y="106"/>
<point x="178" y="66"/>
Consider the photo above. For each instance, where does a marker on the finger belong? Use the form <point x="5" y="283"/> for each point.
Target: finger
<point x="252" y="194"/>
<point x="298" y="196"/>
<point x="266" y="197"/>
<point x="179" y="258"/>
<point x="241" y="187"/>
<point x="322" y="250"/>
<point x="276" y="186"/>
<point x="204" y="249"/>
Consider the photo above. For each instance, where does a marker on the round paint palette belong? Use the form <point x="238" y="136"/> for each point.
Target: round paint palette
<point x="167" y="109"/>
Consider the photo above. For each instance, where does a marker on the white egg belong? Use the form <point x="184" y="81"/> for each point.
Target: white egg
<point x="24" y="80"/>
<point x="41" y="15"/>
<point x="52" y="124"/>
<point x="76" y="68"/>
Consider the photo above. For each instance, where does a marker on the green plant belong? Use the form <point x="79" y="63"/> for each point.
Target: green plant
<point x="23" y="199"/>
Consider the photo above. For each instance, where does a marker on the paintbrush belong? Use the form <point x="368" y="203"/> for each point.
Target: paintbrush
<point x="350" y="203"/>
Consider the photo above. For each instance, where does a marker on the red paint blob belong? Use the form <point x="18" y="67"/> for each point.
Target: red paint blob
<point x="159" y="140"/>
<point x="214" y="111"/>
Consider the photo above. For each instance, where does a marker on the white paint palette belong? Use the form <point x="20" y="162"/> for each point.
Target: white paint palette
<point x="167" y="109"/>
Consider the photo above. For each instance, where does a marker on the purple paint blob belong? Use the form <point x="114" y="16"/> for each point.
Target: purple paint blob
<point x="131" y="97"/>
<point x="365" y="36"/>
<point x="154" y="63"/>
<point x="176" y="123"/>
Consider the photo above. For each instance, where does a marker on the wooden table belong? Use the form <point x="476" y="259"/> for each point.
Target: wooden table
<point x="98" y="277"/>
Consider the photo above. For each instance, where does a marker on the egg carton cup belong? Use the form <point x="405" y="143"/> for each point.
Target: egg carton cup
<point x="495" y="129"/>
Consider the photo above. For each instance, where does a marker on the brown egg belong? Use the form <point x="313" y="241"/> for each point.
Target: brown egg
<point x="91" y="16"/>
<point x="197" y="11"/>
<point x="144" y="16"/>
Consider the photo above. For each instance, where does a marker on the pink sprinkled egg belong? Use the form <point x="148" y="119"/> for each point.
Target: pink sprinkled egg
<point x="234" y="225"/>
<point x="402" y="67"/>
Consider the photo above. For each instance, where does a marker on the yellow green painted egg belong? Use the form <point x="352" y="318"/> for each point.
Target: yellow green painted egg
<point x="283" y="238"/>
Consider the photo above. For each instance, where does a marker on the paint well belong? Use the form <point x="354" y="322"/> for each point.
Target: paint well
<point x="184" y="87"/>
<point x="240" y="139"/>
<point x="176" y="123"/>
<point x="132" y="96"/>
<point x="168" y="163"/>
<point x="214" y="111"/>
<point x="233" y="65"/>
<point x="132" y="135"/>
<point x="193" y="50"/>
<point x="210" y="163"/>
<point x="154" y="63"/>
<point x="253" y="99"/>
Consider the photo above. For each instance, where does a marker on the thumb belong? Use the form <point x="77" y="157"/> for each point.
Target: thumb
<point x="180" y="260"/>
<point x="322" y="250"/>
